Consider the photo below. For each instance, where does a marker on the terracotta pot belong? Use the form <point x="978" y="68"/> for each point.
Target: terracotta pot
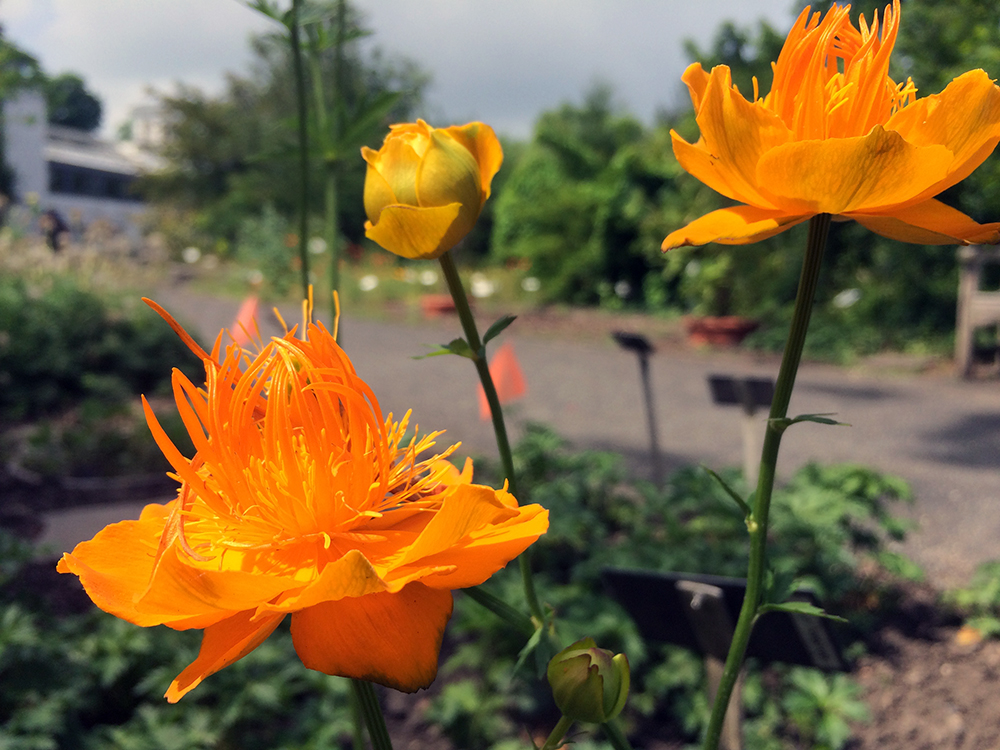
<point x="436" y="305"/>
<point x="724" y="330"/>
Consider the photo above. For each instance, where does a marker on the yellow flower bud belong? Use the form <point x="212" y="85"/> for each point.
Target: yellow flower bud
<point x="426" y="186"/>
<point x="589" y="683"/>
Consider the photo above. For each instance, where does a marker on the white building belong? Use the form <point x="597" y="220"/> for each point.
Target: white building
<point x="70" y="171"/>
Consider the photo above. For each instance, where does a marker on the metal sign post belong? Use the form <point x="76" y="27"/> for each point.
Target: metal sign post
<point x="639" y="344"/>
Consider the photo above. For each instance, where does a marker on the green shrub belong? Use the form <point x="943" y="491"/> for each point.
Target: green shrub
<point x="980" y="600"/>
<point x="60" y="345"/>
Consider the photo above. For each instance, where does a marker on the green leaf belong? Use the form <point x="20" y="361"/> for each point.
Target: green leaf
<point x="455" y="346"/>
<point x="799" y="608"/>
<point x="785" y="422"/>
<point x="497" y="328"/>
<point x="729" y="490"/>
<point x="367" y="119"/>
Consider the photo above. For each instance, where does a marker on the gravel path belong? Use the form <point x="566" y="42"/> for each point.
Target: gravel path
<point x="940" y="434"/>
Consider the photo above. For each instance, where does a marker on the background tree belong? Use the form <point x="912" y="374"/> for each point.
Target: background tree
<point x="231" y="155"/>
<point x="70" y="104"/>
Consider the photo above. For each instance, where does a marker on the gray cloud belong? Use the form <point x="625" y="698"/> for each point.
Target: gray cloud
<point x="501" y="62"/>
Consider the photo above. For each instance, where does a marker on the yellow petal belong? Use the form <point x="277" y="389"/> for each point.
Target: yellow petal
<point x="397" y="162"/>
<point x="377" y="195"/>
<point x="964" y="118"/>
<point x="417" y="233"/>
<point x="840" y="175"/>
<point x="221" y="645"/>
<point x="739" y="225"/>
<point x="448" y="174"/>
<point x="735" y="134"/>
<point x="391" y="639"/>
<point x="484" y="146"/>
<point x="930" y="223"/>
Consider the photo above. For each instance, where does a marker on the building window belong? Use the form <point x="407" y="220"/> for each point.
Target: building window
<point x="68" y="179"/>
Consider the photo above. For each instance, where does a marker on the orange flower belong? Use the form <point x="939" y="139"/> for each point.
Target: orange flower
<point x="302" y="500"/>
<point x="836" y="135"/>
<point x="426" y="186"/>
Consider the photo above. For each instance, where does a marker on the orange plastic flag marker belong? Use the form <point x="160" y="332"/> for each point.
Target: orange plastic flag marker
<point x="507" y="377"/>
<point x="245" y="325"/>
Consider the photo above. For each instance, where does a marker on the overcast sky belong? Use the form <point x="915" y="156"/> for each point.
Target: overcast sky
<point x="500" y="61"/>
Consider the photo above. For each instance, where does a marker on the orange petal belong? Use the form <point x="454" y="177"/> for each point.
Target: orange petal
<point x="840" y="175"/>
<point x="350" y="576"/>
<point x="964" y="118"/>
<point x="930" y="223"/>
<point x="483" y="144"/>
<point x="391" y="639"/>
<point x="467" y="509"/>
<point x="739" y="225"/>
<point x="417" y="233"/>
<point x="180" y="588"/>
<point x="116" y="565"/>
<point x="735" y="134"/>
<point x="696" y="79"/>
<point x="473" y="560"/>
<point x="221" y="645"/>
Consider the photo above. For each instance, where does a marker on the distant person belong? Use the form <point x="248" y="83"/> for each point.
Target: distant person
<point x="55" y="229"/>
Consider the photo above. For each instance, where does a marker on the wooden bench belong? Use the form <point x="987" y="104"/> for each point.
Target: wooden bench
<point x="976" y="308"/>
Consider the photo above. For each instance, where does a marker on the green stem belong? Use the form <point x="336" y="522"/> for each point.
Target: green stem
<point x="615" y="735"/>
<point x="501" y="609"/>
<point x="558" y="732"/>
<point x="357" y="722"/>
<point x="757" y="522"/>
<point x="372" y="713"/>
<point x="499" y="428"/>
<point x="300" y="95"/>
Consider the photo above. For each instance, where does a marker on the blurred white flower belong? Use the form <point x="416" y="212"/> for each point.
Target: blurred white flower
<point x="847" y="298"/>
<point x="317" y="245"/>
<point x="623" y="289"/>
<point x="368" y="282"/>
<point x="481" y="286"/>
<point x="531" y="284"/>
<point x="191" y="254"/>
<point x="428" y="277"/>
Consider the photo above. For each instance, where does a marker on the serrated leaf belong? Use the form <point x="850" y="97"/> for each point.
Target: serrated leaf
<point x="497" y="328"/>
<point x="729" y="491"/>
<point x="455" y="346"/>
<point x="799" y="608"/>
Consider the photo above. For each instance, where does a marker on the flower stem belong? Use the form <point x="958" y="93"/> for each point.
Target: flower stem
<point x="615" y="735"/>
<point x="558" y="732"/>
<point x="501" y="609"/>
<point x="757" y="521"/>
<point x="499" y="428"/>
<point x="303" y="143"/>
<point x="365" y="696"/>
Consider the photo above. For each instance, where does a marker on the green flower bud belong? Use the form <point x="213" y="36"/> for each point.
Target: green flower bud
<point x="589" y="683"/>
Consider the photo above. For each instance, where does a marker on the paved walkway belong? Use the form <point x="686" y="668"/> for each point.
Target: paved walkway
<point x="940" y="434"/>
